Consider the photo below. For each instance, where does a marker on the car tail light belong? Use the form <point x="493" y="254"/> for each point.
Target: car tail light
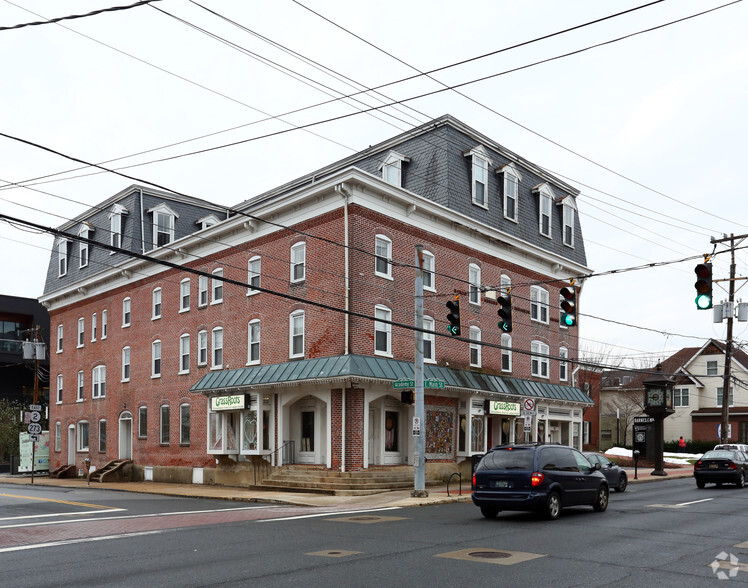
<point x="473" y="480"/>
<point x="536" y="478"/>
<point x="732" y="466"/>
<point x="697" y="465"/>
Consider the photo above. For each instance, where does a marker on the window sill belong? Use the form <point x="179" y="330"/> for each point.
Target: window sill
<point x="479" y="205"/>
<point x="253" y="363"/>
<point x="184" y="444"/>
<point x="183" y="310"/>
<point x="155" y="376"/>
<point x="385" y="276"/>
<point x="183" y="373"/>
<point x="126" y="326"/>
<point x="80" y="400"/>
<point x="252" y="292"/>
<point x="58" y="402"/>
<point x="510" y="219"/>
<point x="155" y="318"/>
<point x="382" y="353"/>
<point x="297" y="282"/>
<point x="216" y="302"/>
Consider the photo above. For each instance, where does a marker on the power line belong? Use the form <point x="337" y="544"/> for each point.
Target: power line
<point x="77" y="16"/>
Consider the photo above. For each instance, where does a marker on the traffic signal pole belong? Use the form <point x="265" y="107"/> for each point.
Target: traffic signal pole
<point x="419" y="422"/>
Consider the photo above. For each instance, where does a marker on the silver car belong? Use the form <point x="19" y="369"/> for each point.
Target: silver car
<point x="616" y="476"/>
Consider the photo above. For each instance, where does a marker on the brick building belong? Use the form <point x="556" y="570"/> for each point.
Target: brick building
<point x="193" y="335"/>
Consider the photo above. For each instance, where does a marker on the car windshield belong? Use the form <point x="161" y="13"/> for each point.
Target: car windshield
<point x="720" y="454"/>
<point x="508" y="459"/>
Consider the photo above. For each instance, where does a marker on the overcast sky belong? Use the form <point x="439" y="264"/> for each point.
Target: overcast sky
<point x="650" y="128"/>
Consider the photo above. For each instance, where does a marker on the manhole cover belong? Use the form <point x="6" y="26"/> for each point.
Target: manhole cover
<point x="489" y="554"/>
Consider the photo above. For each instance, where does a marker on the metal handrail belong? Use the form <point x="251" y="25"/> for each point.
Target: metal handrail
<point x="290" y="443"/>
<point x="459" y="475"/>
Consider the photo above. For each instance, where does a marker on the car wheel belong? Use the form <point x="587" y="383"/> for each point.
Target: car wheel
<point x="623" y="481"/>
<point x="741" y="480"/>
<point x="552" y="506"/>
<point x="700" y="483"/>
<point x="601" y="502"/>
<point x="489" y="512"/>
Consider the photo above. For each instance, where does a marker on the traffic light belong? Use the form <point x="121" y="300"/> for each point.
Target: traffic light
<point x="406" y="396"/>
<point x="505" y="312"/>
<point x="569" y="306"/>
<point x="703" y="286"/>
<point x="454" y="316"/>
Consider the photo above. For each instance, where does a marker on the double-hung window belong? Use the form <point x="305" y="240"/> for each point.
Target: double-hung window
<point x="569" y="213"/>
<point x="126" y="364"/>
<point x="711" y="368"/>
<point x="474" y="280"/>
<point x="391" y="168"/>
<point x="296" y="334"/>
<point x="480" y="178"/>
<point x="217" y="348"/>
<point x="545" y="205"/>
<point x="62" y="257"/>
<point x="254" y="266"/>
<point x="184" y="424"/>
<point x="429" y="277"/>
<point x="156" y="304"/>
<point x="539" y="362"/>
<point x="730" y="398"/>
<point x="142" y="422"/>
<point x="156" y="359"/>
<point x="164" y="425"/>
<point x="184" y="295"/>
<point x="59" y="388"/>
<point x="563" y="365"/>
<point x="511" y="192"/>
<point x="253" y="342"/>
<point x="475" y="347"/>
<point x="184" y="354"/>
<point x="81" y="331"/>
<point x="99" y="382"/>
<point x="680" y="397"/>
<point x="163" y="225"/>
<point x="382" y="331"/>
<point x="126" y="312"/>
<point x="217" y="286"/>
<point x="506" y="352"/>
<point x="298" y="262"/>
<point x="116" y="226"/>
<point x="202" y="348"/>
<point x="202" y="291"/>
<point x="428" y="339"/>
<point x="60" y="332"/>
<point x="104" y="324"/>
<point x="94" y="327"/>
<point x="102" y="436"/>
<point x="539" y="304"/>
<point x="383" y="256"/>
<point x="79" y="388"/>
<point x="83" y="246"/>
<point x="82" y="444"/>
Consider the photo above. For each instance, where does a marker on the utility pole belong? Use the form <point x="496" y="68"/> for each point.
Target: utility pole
<point x="419" y="423"/>
<point x="728" y="310"/>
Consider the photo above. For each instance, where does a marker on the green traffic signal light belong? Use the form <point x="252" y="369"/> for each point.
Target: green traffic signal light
<point x="453" y="328"/>
<point x="505" y="312"/>
<point x="703" y="286"/>
<point x="569" y="306"/>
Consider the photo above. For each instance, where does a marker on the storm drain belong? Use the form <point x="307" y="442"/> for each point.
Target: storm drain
<point x="334" y="553"/>
<point x="497" y="556"/>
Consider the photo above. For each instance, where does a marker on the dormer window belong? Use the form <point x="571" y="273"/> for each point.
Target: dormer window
<point x="569" y="214"/>
<point x="512" y="178"/>
<point x="207" y="221"/>
<point x="480" y="166"/>
<point x="62" y="257"/>
<point x="116" y="225"/>
<point x="163" y="225"/>
<point x="545" y="201"/>
<point x="83" y="232"/>
<point x="392" y="168"/>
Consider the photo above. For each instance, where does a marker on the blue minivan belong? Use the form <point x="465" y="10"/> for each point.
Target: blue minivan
<point x="537" y="477"/>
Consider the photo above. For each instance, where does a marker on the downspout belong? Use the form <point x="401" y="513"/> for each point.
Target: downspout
<point x="142" y="222"/>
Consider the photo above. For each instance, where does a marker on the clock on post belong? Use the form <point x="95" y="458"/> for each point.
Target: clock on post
<point x="658" y="404"/>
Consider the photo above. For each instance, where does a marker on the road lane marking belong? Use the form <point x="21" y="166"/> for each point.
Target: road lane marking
<point x="60" y="514"/>
<point x="681" y="505"/>
<point x="55" y="500"/>
<point x="74" y="541"/>
<point x="138" y="516"/>
<point x="329" y="514"/>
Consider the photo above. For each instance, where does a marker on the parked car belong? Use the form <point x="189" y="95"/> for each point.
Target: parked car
<point x="616" y="475"/>
<point x="733" y="447"/>
<point x="537" y="477"/>
<point x="721" y="465"/>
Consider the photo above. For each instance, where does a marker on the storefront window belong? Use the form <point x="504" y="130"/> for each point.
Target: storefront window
<point x="249" y="431"/>
<point x="477" y="444"/>
<point x="222" y="432"/>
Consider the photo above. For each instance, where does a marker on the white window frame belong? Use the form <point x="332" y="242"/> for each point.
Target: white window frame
<point x="512" y="178"/>
<point x="80" y="383"/>
<point x="216" y="348"/>
<point x="383" y="256"/>
<point x="253" y="341"/>
<point x="480" y="165"/>
<point x="58" y="436"/>
<point x="383" y="313"/>
<point x="62" y="258"/>
<point x="545" y="210"/>
<point x="569" y="217"/>
<point x="429" y="271"/>
<point x="164" y="424"/>
<point x="126" y="367"/>
<point x="216" y="286"/>
<point x="539" y="305"/>
<point x="475" y="347"/>
<point x="98" y="381"/>
<point x="81" y="332"/>
<point x="59" y="388"/>
<point x="429" y="339"/>
<point x="156" y="367"/>
<point x="102" y="446"/>
<point x="298" y="262"/>
<point x="157" y="301"/>
<point x="506" y="352"/>
<point x="104" y="323"/>
<point x="254" y="276"/>
<point x="202" y="291"/>
<point x="168" y="228"/>
<point x="115" y="226"/>
<point x="94" y="327"/>
<point x="184" y="353"/>
<point x="730" y="398"/>
<point x="712" y="366"/>
<point x="60" y="338"/>
<point x="202" y="348"/>
<point x="126" y="312"/>
<point x="295" y="320"/>
<point x="563" y="365"/>
<point x="83" y="246"/>
<point x="142" y="422"/>
<point x="392" y="168"/>
<point x="80" y="437"/>
<point x="678" y="395"/>
<point x="474" y="278"/>
<point x="184" y="440"/>
<point x="540" y="362"/>
<point x="184" y="295"/>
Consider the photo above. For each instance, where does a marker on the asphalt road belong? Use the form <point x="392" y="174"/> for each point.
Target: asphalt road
<point x="665" y="533"/>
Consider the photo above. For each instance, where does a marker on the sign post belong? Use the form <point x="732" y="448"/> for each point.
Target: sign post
<point x="34" y="428"/>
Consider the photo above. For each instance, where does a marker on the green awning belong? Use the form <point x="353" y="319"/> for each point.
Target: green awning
<point x="379" y="368"/>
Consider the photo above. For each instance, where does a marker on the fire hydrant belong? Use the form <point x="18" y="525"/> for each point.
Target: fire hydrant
<point x="87" y="464"/>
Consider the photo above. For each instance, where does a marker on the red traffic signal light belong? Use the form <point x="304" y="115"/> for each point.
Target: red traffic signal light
<point x="454" y="316"/>
<point x="569" y="306"/>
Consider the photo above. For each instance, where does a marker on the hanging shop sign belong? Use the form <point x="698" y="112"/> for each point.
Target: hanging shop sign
<point x="231" y="402"/>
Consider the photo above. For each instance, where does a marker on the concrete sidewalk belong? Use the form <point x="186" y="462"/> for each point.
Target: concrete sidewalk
<point x="396" y="498"/>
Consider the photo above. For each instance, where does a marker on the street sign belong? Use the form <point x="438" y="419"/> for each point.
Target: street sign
<point x="34" y="428"/>
<point x="35" y="407"/>
<point x="528" y="404"/>
<point x="34" y="437"/>
<point x="416" y="426"/>
<point x="35" y="416"/>
<point x="528" y="424"/>
<point x="403" y="384"/>
<point x="434" y="383"/>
